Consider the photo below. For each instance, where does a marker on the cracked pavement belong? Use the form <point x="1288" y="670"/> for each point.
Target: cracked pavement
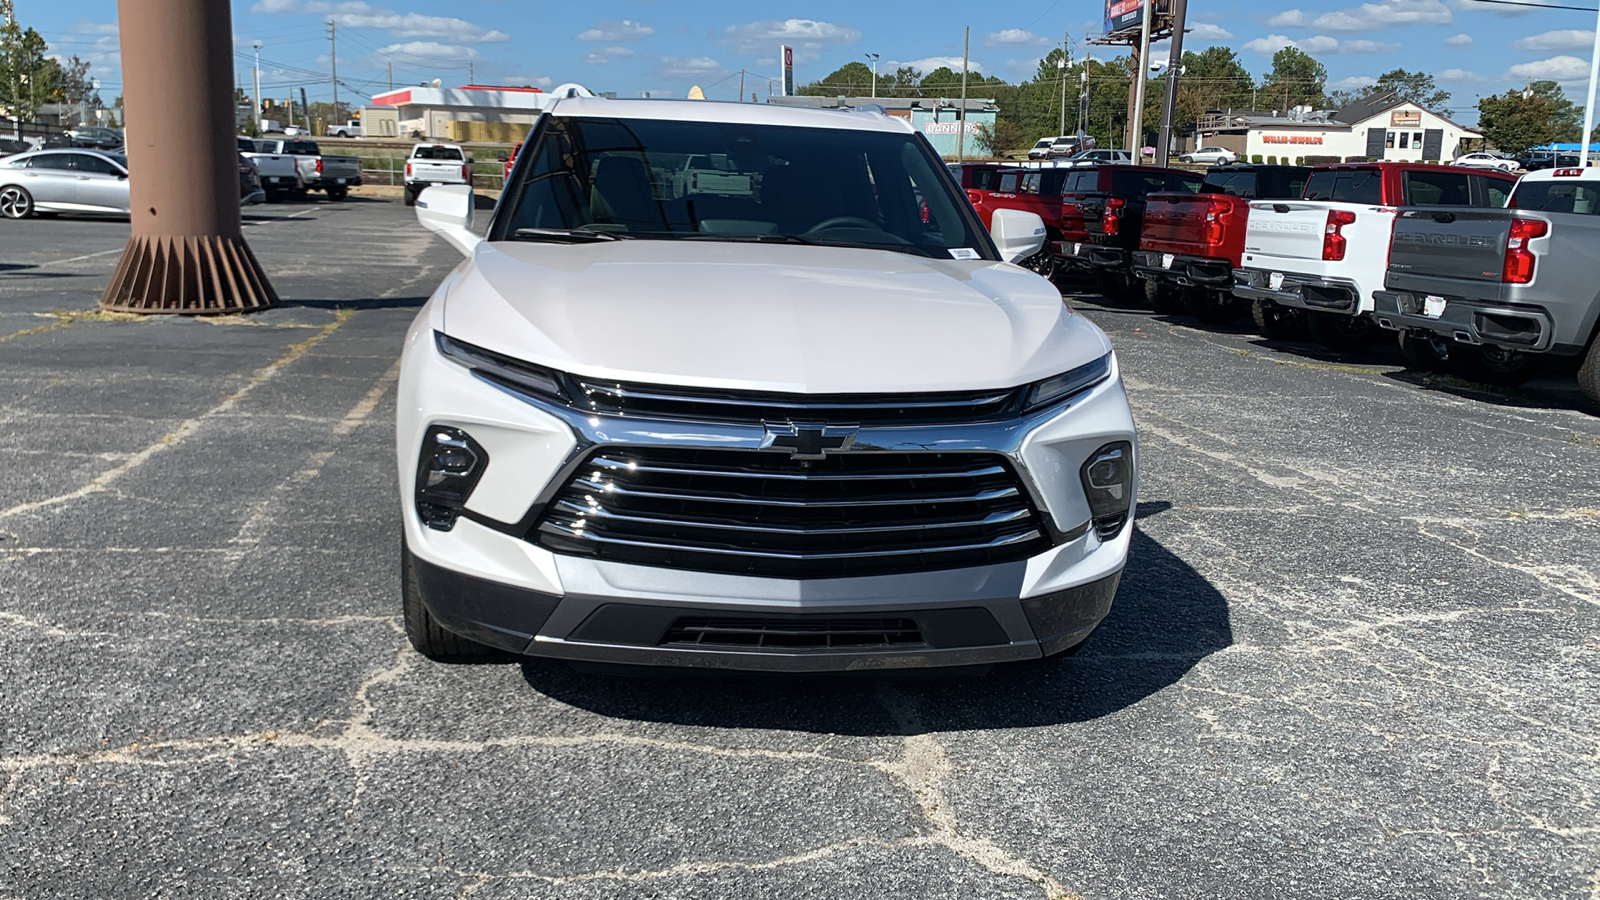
<point x="1354" y="655"/>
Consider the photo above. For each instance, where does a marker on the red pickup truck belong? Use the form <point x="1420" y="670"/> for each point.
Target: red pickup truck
<point x="1191" y="243"/>
<point x="1035" y="190"/>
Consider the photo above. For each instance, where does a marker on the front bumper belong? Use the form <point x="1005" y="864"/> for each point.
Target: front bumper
<point x="1188" y="271"/>
<point x="1308" y="292"/>
<point x="1468" y="321"/>
<point x="484" y="580"/>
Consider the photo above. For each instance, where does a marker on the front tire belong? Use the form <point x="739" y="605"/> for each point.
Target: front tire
<point x="15" y="203"/>
<point x="411" y="196"/>
<point x="1043" y="263"/>
<point x="1163" y="298"/>
<point x="1213" y="307"/>
<point x="1426" y="351"/>
<point x="1492" y="365"/>
<point x="1589" y="375"/>
<point x="1279" y="323"/>
<point x="423" y="630"/>
<point x="1341" y="333"/>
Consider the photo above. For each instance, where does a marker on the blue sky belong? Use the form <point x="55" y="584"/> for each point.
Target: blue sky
<point x="633" y="46"/>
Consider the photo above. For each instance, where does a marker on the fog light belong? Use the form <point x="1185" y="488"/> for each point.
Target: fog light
<point x="1108" y="483"/>
<point x="448" y="468"/>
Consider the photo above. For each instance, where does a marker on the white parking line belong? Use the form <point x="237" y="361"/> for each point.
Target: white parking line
<point x="57" y="262"/>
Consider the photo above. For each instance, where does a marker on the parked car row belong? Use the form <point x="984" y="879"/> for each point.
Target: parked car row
<point x="1475" y="271"/>
<point x="83" y="181"/>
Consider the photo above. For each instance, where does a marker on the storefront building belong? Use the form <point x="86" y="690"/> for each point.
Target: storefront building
<point x="1382" y="128"/>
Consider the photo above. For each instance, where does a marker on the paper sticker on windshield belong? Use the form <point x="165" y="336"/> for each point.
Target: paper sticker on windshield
<point x="963" y="253"/>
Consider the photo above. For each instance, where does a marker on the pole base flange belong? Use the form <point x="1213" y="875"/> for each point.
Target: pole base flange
<point x="196" y="276"/>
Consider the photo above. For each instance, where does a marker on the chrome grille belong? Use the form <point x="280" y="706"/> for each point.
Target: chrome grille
<point x="650" y="401"/>
<point x="762" y="513"/>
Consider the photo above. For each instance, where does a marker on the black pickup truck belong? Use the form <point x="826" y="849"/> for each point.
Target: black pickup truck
<point x="1110" y="200"/>
<point x="1490" y="293"/>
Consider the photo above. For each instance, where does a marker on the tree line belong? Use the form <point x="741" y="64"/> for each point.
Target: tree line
<point x="1091" y="95"/>
<point x="29" y="78"/>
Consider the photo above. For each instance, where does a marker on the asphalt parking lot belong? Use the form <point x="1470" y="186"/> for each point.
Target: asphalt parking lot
<point x="1354" y="655"/>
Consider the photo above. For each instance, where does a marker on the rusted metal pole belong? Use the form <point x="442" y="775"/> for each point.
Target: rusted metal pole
<point x="187" y="253"/>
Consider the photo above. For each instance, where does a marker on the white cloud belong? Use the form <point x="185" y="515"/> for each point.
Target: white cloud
<point x="1353" y="83"/>
<point x="1458" y="40"/>
<point x="929" y="63"/>
<point x="1206" y="31"/>
<point x="687" y="66"/>
<point x="1461" y="76"/>
<point x="1565" y="39"/>
<point x="1556" y="68"/>
<point x="1368" y="16"/>
<point x="431" y="51"/>
<point x="360" y="14"/>
<point x="1015" y="37"/>
<point x="606" y="54"/>
<point x="758" y="38"/>
<point x="611" y="32"/>
<point x="1320" y="43"/>
<point x="540" y="81"/>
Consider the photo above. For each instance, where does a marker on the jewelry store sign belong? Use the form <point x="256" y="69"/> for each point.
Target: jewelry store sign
<point x="1405" y="118"/>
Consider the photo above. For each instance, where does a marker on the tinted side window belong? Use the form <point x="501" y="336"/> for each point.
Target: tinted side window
<point x="1495" y="191"/>
<point x="1189" y="184"/>
<point x="1220" y="183"/>
<point x="1008" y="183"/>
<point x="1345" y="186"/>
<point x="1440" y="188"/>
<point x="1030" y="183"/>
<point x="50" y="161"/>
<point x="86" y="162"/>
<point x="984" y="179"/>
<point x="1137" y="184"/>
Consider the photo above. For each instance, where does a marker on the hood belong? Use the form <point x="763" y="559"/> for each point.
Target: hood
<point x="782" y="318"/>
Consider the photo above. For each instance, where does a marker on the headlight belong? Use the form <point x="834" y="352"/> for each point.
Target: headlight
<point x="1067" y="384"/>
<point x="512" y="373"/>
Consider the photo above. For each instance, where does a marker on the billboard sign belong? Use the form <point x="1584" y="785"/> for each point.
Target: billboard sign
<point x="788" y="71"/>
<point x="1405" y="117"/>
<point x="1128" y="15"/>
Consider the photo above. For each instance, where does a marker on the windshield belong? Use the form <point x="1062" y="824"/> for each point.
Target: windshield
<point x="1581" y="197"/>
<point x="674" y="180"/>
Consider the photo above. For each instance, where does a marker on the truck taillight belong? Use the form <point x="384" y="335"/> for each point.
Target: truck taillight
<point x="1111" y="219"/>
<point x="319" y="165"/>
<point x="1212" y="234"/>
<point x="466" y="173"/>
<point x="1333" y="240"/>
<point x="408" y="170"/>
<point x="1518" y="268"/>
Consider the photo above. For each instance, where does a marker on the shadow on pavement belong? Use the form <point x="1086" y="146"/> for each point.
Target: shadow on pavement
<point x="1165" y="620"/>
<point x="358" y="304"/>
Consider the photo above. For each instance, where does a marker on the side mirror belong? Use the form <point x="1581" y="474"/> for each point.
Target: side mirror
<point x="501" y="156"/>
<point x="446" y="210"/>
<point x="1017" y="234"/>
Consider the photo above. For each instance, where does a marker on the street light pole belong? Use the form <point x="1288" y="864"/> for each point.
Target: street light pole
<point x="874" y="58"/>
<point x="1066" y="62"/>
<point x="1180" y="10"/>
<point x="1594" y="81"/>
<point x="1136" y="127"/>
<point x="961" y="119"/>
<point x="255" y="117"/>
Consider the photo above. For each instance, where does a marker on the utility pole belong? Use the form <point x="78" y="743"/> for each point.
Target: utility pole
<point x="389" y="68"/>
<point x="1180" y="12"/>
<point x="741" y="85"/>
<point x="472" y="73"/>
<point x="333" y="64"/>
<point x="961" y="118"/>
<point x="1066" y="60"/>
<point x="874" y="58"/>
<point x="255" y="117"/>
<point x="1136" y="127"/>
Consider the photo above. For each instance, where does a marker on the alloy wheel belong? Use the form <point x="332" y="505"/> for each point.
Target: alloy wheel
<point x="15" y="203"/>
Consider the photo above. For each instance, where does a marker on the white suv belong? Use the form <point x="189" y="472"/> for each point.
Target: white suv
<point x="825" y="425"/>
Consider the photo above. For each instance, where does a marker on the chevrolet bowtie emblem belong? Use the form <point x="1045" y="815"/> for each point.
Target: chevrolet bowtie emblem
<point x="809" y="440"/>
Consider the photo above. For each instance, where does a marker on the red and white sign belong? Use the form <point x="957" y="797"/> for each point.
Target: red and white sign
<point x="1291" y="139"/>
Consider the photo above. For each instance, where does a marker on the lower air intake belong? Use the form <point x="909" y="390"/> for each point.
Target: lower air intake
<point x="779" y="634"/>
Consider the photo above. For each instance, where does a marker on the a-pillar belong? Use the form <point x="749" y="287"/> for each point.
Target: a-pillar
<point x="186" y="254"/>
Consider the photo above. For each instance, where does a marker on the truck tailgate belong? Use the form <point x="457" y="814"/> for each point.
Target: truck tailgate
<point x="340" y="167"/>
<point x="1202" y="225"/>
<point x="1453" y="250"/>
<point x="1289" y="229"/>
<point x="426" y="170"/>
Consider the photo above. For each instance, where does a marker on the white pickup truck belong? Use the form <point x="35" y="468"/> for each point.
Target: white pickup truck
<point x="712" y="173"/>
<point x="431" y="164"/>
<point x="1314" y="263"/>
<point x="279" y="172"/>
<point x="318" y="171"/>
<point x="351" y="128"/>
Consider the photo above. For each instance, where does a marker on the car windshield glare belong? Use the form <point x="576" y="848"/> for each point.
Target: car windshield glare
<point x="666" y="180"/>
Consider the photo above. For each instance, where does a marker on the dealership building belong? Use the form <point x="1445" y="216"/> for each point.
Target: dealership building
<point x="430" y="110"/>
<point x="1383" y="127"/>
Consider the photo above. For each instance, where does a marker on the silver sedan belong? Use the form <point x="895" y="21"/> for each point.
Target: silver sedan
<point x="63" y="181"/>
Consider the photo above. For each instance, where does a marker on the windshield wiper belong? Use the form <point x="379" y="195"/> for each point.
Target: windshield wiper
<point x="752" y="238"/>
<point x="565" y="235"/>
